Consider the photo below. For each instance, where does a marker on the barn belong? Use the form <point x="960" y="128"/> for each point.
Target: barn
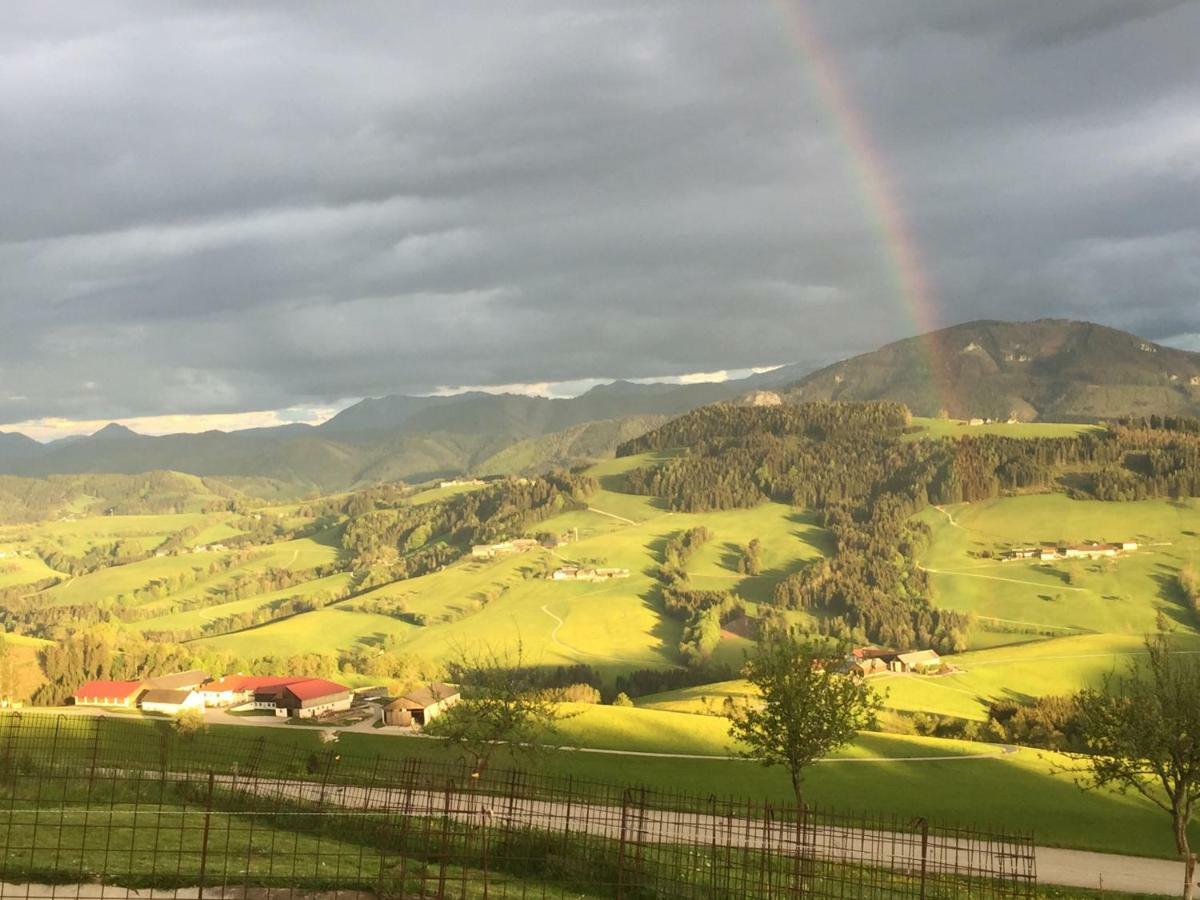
<point x="422" y="706"/>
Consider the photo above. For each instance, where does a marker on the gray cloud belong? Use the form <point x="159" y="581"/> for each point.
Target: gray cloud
<point x="214" y="207"/>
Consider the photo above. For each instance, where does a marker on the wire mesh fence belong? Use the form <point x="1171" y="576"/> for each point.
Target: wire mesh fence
<point x="116" y="809"/>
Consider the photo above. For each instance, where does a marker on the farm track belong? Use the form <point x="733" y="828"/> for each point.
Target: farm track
<point x="1037" y="584"/>
<point x="612" y="516"/>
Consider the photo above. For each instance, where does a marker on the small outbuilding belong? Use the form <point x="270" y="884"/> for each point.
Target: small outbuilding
<point x="162" y="700"/>
<point x="422" y="706"/>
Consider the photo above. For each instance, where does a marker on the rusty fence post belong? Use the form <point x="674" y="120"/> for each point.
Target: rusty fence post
<point x="445" y="854"/>
<point x="621" y="844"/>
<point x="923" y="824"/>
<point x="204" y="837"/>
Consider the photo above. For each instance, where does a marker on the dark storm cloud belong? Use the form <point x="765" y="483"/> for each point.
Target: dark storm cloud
<point x="217" y="207"/>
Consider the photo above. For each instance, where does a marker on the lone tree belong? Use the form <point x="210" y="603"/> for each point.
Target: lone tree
<point x="1143" y="731"/>
<point x="503" y="705"/>
<point x="808" y="709"/>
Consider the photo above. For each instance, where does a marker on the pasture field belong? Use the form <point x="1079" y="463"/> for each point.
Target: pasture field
<point x="1122" y="595"/>
<point x="75" y="536"/>
<point x="16" y="570"/>
<point x="613" y="626"/>
<point x="433" y="494"/>
<point x="939" y="428"/>
<point x="197" y="618"/>
<point x="303" y="553"/>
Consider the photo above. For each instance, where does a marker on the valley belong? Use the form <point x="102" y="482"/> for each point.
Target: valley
<point x="259" y="586"/>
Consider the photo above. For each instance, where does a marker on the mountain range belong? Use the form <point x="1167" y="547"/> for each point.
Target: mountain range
<point x="1048" y="370"/>
<point x="391" y="438"/>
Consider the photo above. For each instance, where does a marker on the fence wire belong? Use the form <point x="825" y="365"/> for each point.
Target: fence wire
<point x="99" y="808"/>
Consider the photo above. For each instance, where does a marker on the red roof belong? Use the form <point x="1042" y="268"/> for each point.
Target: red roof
<point x="107" y="690"/>
<point x="239" y="683"/>
<point x="311" y="688"/>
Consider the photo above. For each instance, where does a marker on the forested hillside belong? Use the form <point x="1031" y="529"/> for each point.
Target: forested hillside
<point x="849" y="462"/>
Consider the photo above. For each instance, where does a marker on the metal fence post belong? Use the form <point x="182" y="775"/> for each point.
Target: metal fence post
<point x="923" y="824"/>
<point x="204" y="837"/>
<point x="621" y="845"/>
<point x="445" y="854"/>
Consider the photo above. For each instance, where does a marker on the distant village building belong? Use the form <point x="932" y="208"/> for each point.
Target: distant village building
<point x="1024" y="552"/>
<point x="587" y="573"/>
<point x="1091" y="551"/>
<point x="916" y="661"/>
<point x="422" y="706"/>
<point x="462" y="482"/>
<point x="865" y="661"/>
<point x="504" y="548"/>
<point x="1088" y="550"/>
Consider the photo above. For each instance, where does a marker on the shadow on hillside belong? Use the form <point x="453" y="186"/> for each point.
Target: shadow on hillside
<point x="812" y="534"/>
<point x="731" y="555"/>
<point x="1169" y="589"/>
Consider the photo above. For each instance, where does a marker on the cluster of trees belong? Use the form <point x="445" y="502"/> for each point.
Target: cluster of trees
<point x="1189" y="586"/>
<point x="872" y="588"/>
<point x="703" y="611"/>
<point x="16" y="592"/>
<point x="407" y="540"/>
<point x="1180" y="424"/>
<point x="72" y="662"/>
<point x="750" y="561"/>
<point x="100" y="556"/>
<point x="641" y="682"/>
<point x="282" y="608"/>
<point x="166" y="585"/>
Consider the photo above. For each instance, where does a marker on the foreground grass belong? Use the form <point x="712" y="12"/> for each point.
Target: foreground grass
<point x="1022" y="791"/>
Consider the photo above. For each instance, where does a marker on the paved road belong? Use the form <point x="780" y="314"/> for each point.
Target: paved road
<point x="1070" y="868"/>
<point x="1075" y="868"/>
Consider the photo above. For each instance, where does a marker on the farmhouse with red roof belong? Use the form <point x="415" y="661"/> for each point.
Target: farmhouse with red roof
<point x="234" y="690"/>
<point x="109" y="693"/>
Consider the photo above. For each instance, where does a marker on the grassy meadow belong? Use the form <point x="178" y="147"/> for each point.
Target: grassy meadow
<point x="940" y="428"/>
<point x="613" y="626"/>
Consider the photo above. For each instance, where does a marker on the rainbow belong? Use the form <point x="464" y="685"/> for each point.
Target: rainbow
<point x="877" y="194"/>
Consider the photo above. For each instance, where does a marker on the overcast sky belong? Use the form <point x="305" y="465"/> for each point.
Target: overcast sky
<point x="221" y="207"/>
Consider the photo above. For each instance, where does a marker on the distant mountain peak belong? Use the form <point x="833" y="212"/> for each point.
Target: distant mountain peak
<point x="113" y="430"/>
<point x="1048" y="369"/>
